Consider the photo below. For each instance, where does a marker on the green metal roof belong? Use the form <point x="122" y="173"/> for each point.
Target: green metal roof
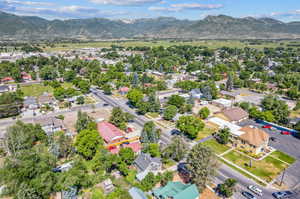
<point x="177" y="190"/>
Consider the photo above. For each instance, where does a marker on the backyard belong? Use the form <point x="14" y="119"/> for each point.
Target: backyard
<point x="267" y="169"/>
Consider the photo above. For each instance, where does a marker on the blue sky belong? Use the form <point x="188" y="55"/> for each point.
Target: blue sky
<point x="285" y="10"/>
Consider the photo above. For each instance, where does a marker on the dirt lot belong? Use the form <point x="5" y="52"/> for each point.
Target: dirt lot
<point x="213" y="109"/>
<point x="70" y="118"/>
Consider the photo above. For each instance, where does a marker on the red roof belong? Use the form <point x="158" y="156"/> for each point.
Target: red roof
<point x="5" y="79"/>
<point x="109" y="132"/>
<point x="124" y="89"/>
<point x="135" y="146"/>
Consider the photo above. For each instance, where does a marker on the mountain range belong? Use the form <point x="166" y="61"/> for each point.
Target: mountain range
<point x="211" y="27"/>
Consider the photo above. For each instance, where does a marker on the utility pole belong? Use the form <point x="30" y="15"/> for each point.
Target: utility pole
<point x="283" y="174"/>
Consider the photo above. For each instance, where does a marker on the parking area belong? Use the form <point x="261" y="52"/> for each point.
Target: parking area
<point x="287" y="144"/>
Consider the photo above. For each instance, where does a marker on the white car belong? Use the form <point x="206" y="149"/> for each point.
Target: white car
<point x="255" y="190"/>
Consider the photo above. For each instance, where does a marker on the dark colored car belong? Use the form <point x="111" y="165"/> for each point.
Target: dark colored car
<point x="273" y="139"/>
<point x="248" y="195"/>
<point x="105" y="104"/>
<point x="282" y="194"/>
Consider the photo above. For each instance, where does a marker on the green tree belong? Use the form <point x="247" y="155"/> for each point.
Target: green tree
<point x="227" y="188"/>
<point x="176" y="150"/>
<point x="48" y="73"/>
<point x="80" y="100"/>
<point x="166" y="177"/>
<point x="204" y="113"/>
<point x="223" y="136"/>
<point x="83" y="121"/>
<point x="149" y="133"/>
<point x="134" y="96"/>
<point x="202" y="165"/>
<point x="23" y="137"/>
<point x="149" y="182"/>
<point x="176" y="100"/>
<point x="190" y="125"/>
<point x="127" y="155"/>
<point x="120" y="118"/>
<point x="29" y="174"/>
<point x="87" y="143"/>
<point x="107" y="89"/>
<point x="170" y="112"/>
<point x="152" y="149"/>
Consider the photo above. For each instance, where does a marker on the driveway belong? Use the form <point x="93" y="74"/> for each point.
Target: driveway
<point x="288" y="144"/>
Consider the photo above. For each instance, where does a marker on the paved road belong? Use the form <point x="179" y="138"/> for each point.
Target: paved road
<point x="288" y="144"/>
<point x="139" y="119"/>
<point x="227" y="172"/>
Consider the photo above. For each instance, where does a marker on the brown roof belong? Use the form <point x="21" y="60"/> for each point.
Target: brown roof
<point x="235" y="114"/>
<point x="254" y="136"/>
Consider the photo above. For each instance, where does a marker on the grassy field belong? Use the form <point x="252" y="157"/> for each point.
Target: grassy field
<point x="268" y="168"/>
<point x="284" y="157"/>
<point x="207" y="131"/>
<point x="209" y="43"/>
<point x="36" y="90"/>
<point x="218" y="148"/>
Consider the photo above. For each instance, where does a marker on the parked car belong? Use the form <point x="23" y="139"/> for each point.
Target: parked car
<point x="282" y="194"/>
<point x="255" y="190"/>
<point x="248" y="195"/>
<point x="267" y="127"/>
<point x="273" y="139"/>
<point x="285" y="133"/>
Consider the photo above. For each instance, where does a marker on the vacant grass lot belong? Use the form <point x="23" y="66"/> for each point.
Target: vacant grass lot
<point x="283" y="156"/>
<point x="36" y="90"/>
<point x="214" y="145"/>
<point x="268" y="168"/>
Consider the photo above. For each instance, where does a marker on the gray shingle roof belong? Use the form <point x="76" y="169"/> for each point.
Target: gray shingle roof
<point x="143" y="161"/>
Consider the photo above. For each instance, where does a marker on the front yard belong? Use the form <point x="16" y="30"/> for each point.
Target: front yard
<point x="284" y="157"/>
<point x="267" y="169"/>
<point x="207" y="131"/>
<point x="36" y="90"/>
<point x="214" y="145"/>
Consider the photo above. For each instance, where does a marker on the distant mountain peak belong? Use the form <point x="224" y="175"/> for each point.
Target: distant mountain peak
<point x="211" y="27"/>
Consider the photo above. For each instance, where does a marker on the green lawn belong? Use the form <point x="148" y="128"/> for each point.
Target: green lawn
<point x="268" y="168"/>
<point x="153" y="115"/>
<point x="36" y="90"/>
<point x="218" y="148"/>
<point x="242" y="172"/>
<point x="283" y="156"/>
<point x="207" y="131"/>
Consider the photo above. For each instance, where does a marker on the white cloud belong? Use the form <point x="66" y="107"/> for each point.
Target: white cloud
<point x="185" y="6"/>
<point x="28" y="3"/>
<point x="125" y="2"/>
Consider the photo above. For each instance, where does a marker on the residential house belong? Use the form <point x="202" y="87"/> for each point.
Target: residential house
<point x="164" y="95"/>
<point x="107" y="186"/>
<point x="177" y="190"/>
<point x="196" y="93"/>
<point x="30" y="103"/>
<point x="46" y="98"/>
<point x="222" y="103"/>
<point x="253" y="140"/>
<point x="234" y="115"/>
<point x="145" y="164"/>
<point x="4" y="88"/>
<point x="110" y="133"/>
<point x="26" y="76"/>
<point x="7" y="79"/>
<point x="136" y="193"/>
<point x="51" y="125"/>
